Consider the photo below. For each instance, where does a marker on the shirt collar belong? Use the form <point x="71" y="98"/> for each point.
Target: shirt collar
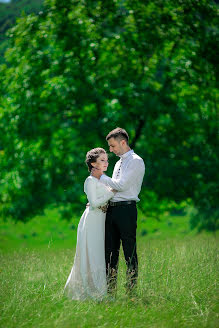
<point x="127" y="154"/>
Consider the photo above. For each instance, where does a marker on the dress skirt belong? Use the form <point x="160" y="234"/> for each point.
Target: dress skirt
<point x="88" y="275"/>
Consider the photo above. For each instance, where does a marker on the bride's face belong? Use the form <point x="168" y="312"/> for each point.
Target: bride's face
<point x="101" y="162"/>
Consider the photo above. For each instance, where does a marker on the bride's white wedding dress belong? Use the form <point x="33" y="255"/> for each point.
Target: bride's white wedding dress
<point x="88" y="275"/>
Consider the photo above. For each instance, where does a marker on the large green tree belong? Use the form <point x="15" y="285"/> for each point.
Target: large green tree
<point x="81" y="68"/>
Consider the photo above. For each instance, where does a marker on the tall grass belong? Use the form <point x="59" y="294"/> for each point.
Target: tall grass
<point x="177" y="287"/>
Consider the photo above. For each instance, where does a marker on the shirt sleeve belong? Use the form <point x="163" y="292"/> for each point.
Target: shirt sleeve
<point x="135" y="168"/>
<point x="91" y="192"/>
<point x="103" y="181"/>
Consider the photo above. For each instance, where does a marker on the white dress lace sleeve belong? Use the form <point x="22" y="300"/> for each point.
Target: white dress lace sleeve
<point x="97" y="196"/>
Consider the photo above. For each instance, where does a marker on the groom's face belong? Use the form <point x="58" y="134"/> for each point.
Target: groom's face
<point x="115" y="146"/>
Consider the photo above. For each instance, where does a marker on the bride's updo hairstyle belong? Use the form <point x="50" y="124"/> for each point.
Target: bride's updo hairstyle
<point x="92" y="156"/>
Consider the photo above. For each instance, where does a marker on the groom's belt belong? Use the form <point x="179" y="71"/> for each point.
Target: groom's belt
<point x="128" y="202"/>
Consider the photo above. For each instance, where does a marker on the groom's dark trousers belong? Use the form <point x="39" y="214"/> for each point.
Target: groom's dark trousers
<point x="121" y="224"/>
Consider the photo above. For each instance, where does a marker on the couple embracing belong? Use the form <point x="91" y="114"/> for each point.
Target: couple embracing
<point x="109" y="219"/>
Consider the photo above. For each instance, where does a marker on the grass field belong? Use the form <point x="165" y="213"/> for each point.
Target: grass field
<point x="177" y="287"/>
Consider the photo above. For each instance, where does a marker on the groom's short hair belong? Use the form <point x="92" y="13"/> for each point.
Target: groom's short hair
<point x="119" y="134"/>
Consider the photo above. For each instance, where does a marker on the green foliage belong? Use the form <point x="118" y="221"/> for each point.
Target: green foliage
<point x="79" y="69"/>
<point x="208" y="220"/>
<point x="8" y="14"/>
<point x="155" y="207"/>
<point x="10" y="11"/>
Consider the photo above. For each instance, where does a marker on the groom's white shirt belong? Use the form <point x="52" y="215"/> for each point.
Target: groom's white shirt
<point x="127" y="177"/>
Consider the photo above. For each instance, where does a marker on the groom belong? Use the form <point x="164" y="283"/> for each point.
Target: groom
<point x="121" y="217"/>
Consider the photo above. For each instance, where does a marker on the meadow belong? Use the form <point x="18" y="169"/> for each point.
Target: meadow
<point x="177" y="287"/>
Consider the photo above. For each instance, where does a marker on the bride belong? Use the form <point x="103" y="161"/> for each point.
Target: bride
<point x="88" y="275"/>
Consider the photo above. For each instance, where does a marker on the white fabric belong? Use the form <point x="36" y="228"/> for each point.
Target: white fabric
<point x="129" y="180"/>
<point x="88" y="275"/>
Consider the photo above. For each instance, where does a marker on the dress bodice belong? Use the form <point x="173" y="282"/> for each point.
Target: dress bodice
<point x="97" y="193"/>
